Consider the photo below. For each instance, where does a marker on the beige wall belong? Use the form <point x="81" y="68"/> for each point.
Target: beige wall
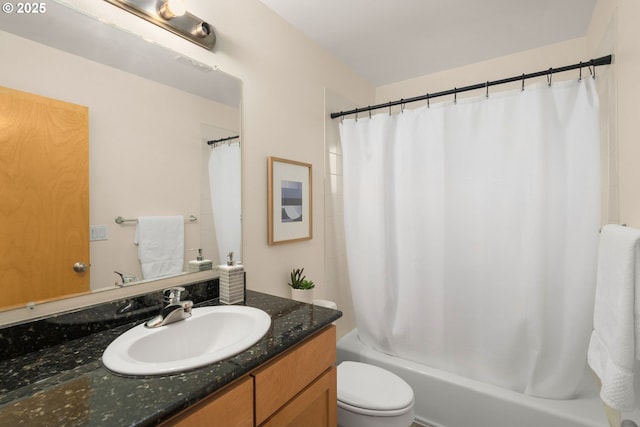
<point x="624" y="15"/>
<point x="284" y="77"/>
<point x="556" y="55"/>
<point x="283" y="113"/>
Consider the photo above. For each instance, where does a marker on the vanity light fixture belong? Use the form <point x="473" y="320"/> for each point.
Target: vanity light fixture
<point x="172" y="8"/>
<point x="171" y="15"/>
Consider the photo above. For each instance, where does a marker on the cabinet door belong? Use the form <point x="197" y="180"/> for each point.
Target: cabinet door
<point x="316" y="406"/>
<point x="280" y="380"/>
<point x="230" y="407"/>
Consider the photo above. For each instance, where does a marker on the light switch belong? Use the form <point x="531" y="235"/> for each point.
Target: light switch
<point x="98" y="232"/>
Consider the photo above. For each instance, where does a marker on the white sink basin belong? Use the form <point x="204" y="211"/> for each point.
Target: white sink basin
<point x="211" y="334"/>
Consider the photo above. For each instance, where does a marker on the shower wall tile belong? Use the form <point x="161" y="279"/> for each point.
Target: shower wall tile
<point x="335" y="164"/>
<point x="335" y="184"/>
<point x="333" y="140"/>
<point x="205" y="217"/>
<point x="334" y="207"/>
<point x="336" y="269"/>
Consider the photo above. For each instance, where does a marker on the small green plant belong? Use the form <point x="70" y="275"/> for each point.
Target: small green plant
<point x="299" y="281"/>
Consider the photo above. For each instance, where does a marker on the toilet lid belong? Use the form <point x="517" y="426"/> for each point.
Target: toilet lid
<point x="370" y="387"/>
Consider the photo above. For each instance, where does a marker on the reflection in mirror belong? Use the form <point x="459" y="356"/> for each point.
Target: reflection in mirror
<point x="222" y="190"/>
<point x="151" y="112"/>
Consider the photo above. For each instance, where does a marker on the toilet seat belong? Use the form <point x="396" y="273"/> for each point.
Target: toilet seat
<point x="370" y="390"/>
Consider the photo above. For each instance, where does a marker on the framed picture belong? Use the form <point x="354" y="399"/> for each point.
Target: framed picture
<point x="289" y="201"/>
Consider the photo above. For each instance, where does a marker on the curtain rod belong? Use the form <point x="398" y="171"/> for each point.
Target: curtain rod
<point x="604" y="60"/>
<point x="215" y="141"/>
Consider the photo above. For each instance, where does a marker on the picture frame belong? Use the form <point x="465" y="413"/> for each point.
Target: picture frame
<point x="289" y="201"/>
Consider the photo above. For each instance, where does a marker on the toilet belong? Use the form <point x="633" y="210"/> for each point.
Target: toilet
<point x="370" y="396"/>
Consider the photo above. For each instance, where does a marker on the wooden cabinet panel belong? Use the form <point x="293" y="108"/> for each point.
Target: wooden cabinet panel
<point x="230" y="407"/>
<point x="280" y="380"/>
<point x="316" y="406"/>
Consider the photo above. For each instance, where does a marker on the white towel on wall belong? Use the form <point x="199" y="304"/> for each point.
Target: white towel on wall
<point x="615" y="340"/>
<point x="160" y="241"/>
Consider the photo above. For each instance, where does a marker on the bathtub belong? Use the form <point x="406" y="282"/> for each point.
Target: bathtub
<point x="443" y="399"/>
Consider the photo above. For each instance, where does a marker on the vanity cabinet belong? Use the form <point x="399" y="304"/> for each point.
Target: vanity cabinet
<point x="297" y="388"/>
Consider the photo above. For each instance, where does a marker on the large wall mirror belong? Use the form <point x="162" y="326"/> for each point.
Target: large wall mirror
<point x="150" y="112"/>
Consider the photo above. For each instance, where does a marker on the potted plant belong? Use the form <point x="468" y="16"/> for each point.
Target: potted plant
<point x="301" y="287"/>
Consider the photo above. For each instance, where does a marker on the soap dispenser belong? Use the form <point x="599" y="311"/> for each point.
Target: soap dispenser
<point x="199" y="264"/>
<point x="232" y="282"/>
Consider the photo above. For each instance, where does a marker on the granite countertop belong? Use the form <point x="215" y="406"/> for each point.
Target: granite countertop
<point x="66" y="384"/>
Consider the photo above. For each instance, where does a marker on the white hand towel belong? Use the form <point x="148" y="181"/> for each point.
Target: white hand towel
<point x="160" y="241"/>
<point x="615" y="340"/>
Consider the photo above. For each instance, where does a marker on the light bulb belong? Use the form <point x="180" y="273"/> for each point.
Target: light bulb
<point x="172" y="8"/>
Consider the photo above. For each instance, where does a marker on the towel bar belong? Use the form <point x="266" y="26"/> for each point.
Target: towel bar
<point x="120" y="220"/>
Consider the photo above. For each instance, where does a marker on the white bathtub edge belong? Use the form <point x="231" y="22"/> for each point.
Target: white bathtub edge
<point x="447" y="400"/>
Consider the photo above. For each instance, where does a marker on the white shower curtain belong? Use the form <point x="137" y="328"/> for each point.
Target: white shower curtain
<point x="471" y="234"/>
<point x="224" y="180"/>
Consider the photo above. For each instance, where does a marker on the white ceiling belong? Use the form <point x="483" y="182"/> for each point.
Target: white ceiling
<point x="386" y="41"/>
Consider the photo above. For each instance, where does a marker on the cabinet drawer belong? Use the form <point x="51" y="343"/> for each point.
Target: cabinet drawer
<point x="280" y="380"/>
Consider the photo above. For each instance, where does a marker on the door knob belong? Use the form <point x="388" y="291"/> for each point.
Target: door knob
<point x="79" y="267"/>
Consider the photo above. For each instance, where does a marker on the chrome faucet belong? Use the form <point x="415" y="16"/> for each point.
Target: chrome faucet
<point x="174" y="311"/>
<point x="126" y="278"/>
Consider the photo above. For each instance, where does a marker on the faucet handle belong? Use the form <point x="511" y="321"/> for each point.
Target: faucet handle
<point x="172" y="295"/>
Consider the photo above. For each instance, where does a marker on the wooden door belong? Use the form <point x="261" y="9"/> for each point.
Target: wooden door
<point x="44" y="197"/>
